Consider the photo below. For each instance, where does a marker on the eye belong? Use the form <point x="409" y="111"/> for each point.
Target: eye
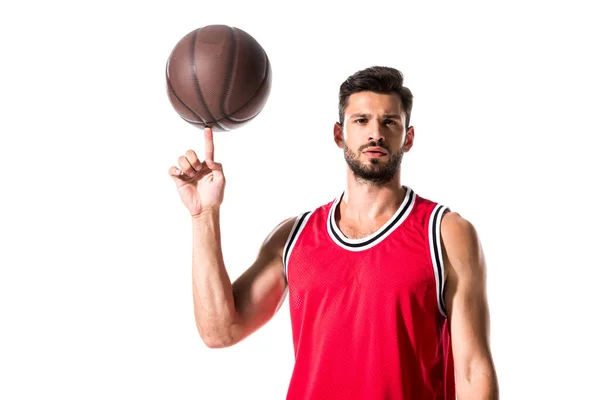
<point x="390" y="122"/>
<point x="361" y="120"/>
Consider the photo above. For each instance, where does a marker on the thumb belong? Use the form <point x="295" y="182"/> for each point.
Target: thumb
<point x="215" y="166"/>
<point x="216" y="170"/>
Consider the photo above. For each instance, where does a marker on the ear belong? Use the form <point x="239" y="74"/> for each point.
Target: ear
<point x="409" y="138"/>
<point x="338" y="135"/>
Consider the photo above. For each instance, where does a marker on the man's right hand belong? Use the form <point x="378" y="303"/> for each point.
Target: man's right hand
<point x="201" y="185"/>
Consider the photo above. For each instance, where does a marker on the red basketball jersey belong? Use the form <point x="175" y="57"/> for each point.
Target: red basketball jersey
<point x="368" y="316"/>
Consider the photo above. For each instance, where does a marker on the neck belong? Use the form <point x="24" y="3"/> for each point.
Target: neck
<point x="366" y="201"/>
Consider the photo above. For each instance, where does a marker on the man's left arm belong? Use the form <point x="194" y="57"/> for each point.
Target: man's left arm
<point x="467" y="309"/>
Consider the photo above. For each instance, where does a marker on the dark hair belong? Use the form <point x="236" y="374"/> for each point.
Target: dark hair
<point x="376" y="79"/>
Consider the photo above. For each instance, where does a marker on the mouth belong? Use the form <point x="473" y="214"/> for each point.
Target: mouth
<point x="375" y="152"/>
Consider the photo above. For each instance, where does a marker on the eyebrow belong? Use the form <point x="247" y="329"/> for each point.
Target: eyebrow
<point x="386" y="115"/>
<point x="360" y="115"/>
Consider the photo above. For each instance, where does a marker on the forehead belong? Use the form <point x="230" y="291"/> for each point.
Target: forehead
<point x="371" y="102"/>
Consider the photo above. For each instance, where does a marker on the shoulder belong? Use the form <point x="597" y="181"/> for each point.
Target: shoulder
<point x="285" y="230"/>
<point x="277" y="238"/>
<point x="461" y="244"/>
<point x="457" y="229"/>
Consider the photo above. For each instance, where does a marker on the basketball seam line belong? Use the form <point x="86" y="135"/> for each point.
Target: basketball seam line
<point x="185" y="105"/>
<point x="220" y="119"/>
<point x="229" y="80"/>
<point x="170" y="86"/>
<point x="228" y="117"/>
<point x="197" y="84"/>
<point x="254" y="95"/>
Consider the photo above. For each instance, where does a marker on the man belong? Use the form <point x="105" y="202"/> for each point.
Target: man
<point x="380" y="279"/>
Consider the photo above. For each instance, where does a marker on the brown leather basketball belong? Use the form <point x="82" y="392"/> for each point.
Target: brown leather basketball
<point x="218" y="76"/>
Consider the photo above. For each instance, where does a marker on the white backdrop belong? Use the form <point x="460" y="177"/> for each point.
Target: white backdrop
<point x="95" y="251"/>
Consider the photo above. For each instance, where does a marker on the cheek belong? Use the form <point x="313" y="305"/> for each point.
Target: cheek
<point x="354" y="135"/>
<point x="351" y="143"/>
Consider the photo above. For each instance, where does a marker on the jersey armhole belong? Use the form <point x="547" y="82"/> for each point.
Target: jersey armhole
<point x="292" y="238"/>
<point x="435" y="247"/>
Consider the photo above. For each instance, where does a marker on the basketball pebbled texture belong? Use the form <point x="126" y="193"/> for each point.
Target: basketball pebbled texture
<point x="218" y="76"/>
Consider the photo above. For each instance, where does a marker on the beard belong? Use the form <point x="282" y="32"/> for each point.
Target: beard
<point x="374" y="171"/>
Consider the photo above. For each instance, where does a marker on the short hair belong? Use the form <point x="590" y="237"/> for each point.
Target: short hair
<point x="375" y="79"/>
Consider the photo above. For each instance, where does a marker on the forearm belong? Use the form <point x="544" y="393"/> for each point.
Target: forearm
<point x="214" y="306"/>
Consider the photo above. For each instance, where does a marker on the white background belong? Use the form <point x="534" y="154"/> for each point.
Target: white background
<point x="95" y="251"/>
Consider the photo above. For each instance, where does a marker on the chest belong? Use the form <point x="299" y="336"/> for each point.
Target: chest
<point x="395" y="267"/>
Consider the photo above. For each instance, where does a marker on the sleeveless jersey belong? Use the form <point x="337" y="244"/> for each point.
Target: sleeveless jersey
<point x="368" y="315"/>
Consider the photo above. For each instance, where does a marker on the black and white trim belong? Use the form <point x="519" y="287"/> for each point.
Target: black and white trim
<point x="367" y="242"/>
<point x="299" y="224"/>
<point x="435" y="246"/>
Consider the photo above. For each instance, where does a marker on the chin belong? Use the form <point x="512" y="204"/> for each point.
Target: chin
<point x="375" y="161"/>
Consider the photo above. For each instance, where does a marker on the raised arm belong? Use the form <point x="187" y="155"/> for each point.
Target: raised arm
<point x="226" y="313"/>
<point x="467" y="307"/>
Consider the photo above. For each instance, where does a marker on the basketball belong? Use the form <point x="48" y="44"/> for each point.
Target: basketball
<point x="218" y="76"/>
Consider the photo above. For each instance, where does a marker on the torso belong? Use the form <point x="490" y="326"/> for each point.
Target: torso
<point x="367" y="314"/>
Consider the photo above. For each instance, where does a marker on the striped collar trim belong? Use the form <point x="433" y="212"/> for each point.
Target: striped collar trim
<point x="373" y="239"/>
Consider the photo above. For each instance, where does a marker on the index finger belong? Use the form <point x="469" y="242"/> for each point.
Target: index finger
<point x="209" y="145"/>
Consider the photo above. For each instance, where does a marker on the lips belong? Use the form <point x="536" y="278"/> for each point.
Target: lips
<point x="375" y="150"/>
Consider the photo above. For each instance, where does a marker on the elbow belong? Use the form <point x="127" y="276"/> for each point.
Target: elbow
<point x="479" y="383"/>
<point x="216" y="339"/>
<point x="214" y="342"/>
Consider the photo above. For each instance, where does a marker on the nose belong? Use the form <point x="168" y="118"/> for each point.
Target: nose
<point x="376" y="134"/>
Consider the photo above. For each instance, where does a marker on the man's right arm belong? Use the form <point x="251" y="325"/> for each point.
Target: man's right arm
<point x="227" y="313"/>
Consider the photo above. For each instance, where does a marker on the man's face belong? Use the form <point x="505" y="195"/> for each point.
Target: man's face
<point x="374" y="137"/>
